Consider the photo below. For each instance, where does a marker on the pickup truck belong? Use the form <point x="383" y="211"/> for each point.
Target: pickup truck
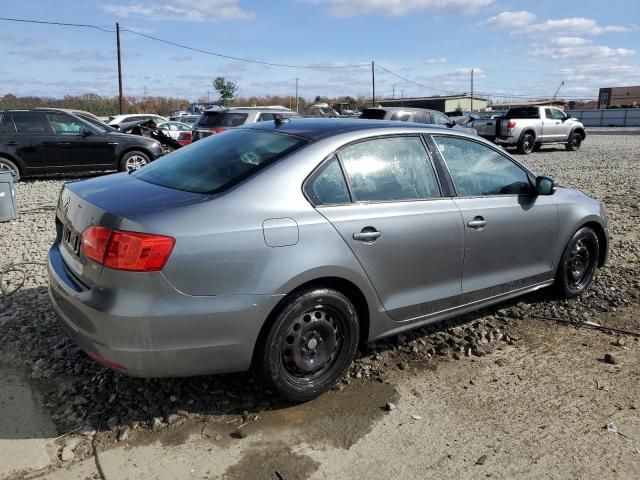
<point x="527" y="128"/>
<point x="485" y="123"/>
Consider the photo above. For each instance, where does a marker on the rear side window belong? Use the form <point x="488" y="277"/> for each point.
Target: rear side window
<point x="327" y="185"/>
<point x="422" y="117"/>
<point x="219" y="161"/>
<point x="373" y="113"/>
<point x="7" y="125"/>
<point x="30" y="123"/>
<point x="393" y="168"/>
<point x="523" y="112"/>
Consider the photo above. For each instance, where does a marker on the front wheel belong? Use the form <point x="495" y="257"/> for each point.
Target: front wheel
<point x="574" y="143"/>
<point x="526" y="144"/>
<point x="309" y="345"/>
<point x="578" y="263"/>
<point x="133" y="161"/>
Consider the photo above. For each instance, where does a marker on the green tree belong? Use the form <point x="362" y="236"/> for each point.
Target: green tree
<point x="226" y="89"/>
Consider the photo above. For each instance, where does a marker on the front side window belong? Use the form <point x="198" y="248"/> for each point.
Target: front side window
<point x="266" y="117"/>
<point x="219" y="161"/>
<point x="64" y="124"/>
<point x="554" y="113"/>
<point x="327" y="185"/>
<point x="479" y="170"/>
<point x="393" y="168"/>
<point x="422" y="117"/>
<point x="401" y="116"/>
<point x="440" y="119"/>
<point x="30" y="123"/>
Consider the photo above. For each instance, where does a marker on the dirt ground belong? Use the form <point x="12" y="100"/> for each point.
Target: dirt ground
<point x="543" y="406"/>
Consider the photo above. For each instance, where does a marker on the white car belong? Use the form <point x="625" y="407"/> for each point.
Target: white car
<point x="173" y="129"/>
<point x="136" y="117"/>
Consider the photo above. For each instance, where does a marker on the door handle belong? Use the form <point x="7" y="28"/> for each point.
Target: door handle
<point x="12" y="144"/>
<point x="477" y="223"/>
<point x="64" y="144"/>
<point x="368" y="234"/>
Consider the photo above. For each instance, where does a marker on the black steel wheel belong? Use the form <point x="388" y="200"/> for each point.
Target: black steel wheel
<point x="578" y="263"/>
<point x="574" y="143"/>
<point x="309" y="345"/>
<point x="526" y="144"/>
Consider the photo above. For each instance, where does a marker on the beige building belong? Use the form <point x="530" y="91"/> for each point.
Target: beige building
<point x="619" y="97"/>
<point x="446" y="104"/>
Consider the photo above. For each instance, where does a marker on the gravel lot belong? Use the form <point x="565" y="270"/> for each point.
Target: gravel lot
<point x="102" y="407"/>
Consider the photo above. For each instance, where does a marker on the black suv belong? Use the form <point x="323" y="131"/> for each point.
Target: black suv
<point x="49" y="141"/>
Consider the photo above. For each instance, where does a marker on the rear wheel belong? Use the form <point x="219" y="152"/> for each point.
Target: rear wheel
<point x="133" y="161"/>
<point x="574" y="143"/>
<point x="578" y="263"/>
<point x="309" y="345"/>
<point x="526" y="144"/>
<point x="7" y="165"/>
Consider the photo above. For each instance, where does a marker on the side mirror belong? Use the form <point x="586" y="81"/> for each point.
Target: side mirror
<point x="450" y="124"/>
<point x="545" y="185"/>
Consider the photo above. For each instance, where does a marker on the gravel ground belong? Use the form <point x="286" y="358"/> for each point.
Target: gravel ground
<point x="101" y="406"/>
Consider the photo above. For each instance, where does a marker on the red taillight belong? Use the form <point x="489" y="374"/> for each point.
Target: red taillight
<point x="511" y="124"/>
<point x="184" y="136"/>
<point x="133" y="251"/>
<point x="217" y="130"/>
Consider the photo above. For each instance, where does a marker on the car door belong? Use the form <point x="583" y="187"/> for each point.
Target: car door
<point x="36" y="144"/>
<point x="81" y="146"/>
<point x="406" y="235"/>
<point x="510" y="233"/>
<point x="553" y="126"/>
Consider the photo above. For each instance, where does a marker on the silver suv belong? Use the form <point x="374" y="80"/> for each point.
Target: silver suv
<point x="218" y="120"/>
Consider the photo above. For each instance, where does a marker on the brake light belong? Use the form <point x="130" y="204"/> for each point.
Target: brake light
<point x="121" y="250"/>
<point x="511" y="124"/>
<point x="184" y="136"/>
<point x="217" y="130"/>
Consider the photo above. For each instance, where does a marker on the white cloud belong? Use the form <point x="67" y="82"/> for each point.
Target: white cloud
<point x="396" y="8"/>
<point x="434" y="61"/>
<point x="508" y="19"/>
<point x="185" y="10"/>
<point x="573" y="26"/>
<point x="577" y="48"/>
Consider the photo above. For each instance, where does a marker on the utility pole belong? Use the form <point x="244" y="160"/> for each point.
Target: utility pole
<point x="119" y="66"/>
<point x="296" y="94"/>
<point x="472" y="89"/>
<point x="373" y="82"/>
<point x="393" y="95"/>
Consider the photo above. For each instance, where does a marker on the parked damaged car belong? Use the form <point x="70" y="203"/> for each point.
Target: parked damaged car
<point x="280" y="246"/>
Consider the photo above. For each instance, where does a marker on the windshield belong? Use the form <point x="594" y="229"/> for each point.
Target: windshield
<point x="219" y="161"/>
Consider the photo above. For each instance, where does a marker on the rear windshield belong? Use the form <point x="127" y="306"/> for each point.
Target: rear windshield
<point x="524" y="112"/>
<point x="221" y="119"/>
<point x="219" y="161"/>
<point x="373" y="113"/>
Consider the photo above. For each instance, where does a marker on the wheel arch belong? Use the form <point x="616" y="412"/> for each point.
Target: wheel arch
<point x="342" y="285"/>
<point x="603" y="241"/>
<point x="579" y="130"/>
<point x="15" y="160"/>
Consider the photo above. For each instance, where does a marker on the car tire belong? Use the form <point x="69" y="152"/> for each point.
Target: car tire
<point x="7" y="165"/>
<point x="133" y="160"/>
<point x="574" y="143"/>
<point x="578" y="263"/>
<point x="309" y="345"/>
<point x="526" y="144"/>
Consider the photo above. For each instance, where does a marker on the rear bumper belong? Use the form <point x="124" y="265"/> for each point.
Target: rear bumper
<point x="152" y="330"/>
<point x="509" y="141"/>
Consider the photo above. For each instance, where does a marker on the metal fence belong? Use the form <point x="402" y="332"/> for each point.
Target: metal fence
<point x="614" y="117"/>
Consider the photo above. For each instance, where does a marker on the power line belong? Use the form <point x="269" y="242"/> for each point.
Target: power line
<point x="449" y="92"/>
<point x="104" y="28"/>
<point x="230" y="57"/>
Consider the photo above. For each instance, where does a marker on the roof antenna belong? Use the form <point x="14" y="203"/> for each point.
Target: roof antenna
<point x="280" y="119"/>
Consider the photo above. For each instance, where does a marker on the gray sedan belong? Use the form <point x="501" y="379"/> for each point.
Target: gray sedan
<point x="283" y="245"/>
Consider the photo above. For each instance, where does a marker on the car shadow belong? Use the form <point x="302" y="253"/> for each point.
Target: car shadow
<point x="76" y="392"/>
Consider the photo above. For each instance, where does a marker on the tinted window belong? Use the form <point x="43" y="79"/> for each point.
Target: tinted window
<point x="327" y="186"/>
<point x="373" y="113"/>
<point x="65" y="124"/>
<point x="222" y="119"/>
<point x="221" y="160"/>
<point x="523" y="112"/>
<point x="7" y="124"/>
<point x="394" y="168"/>
<point x="28" y="122"/>
<point x="479" y="170"/>
<point x="440" y="118"/>
<point x="266" y="117"/>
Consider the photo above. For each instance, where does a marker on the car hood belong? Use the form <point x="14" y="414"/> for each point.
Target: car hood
<point x="123" y="194"/>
